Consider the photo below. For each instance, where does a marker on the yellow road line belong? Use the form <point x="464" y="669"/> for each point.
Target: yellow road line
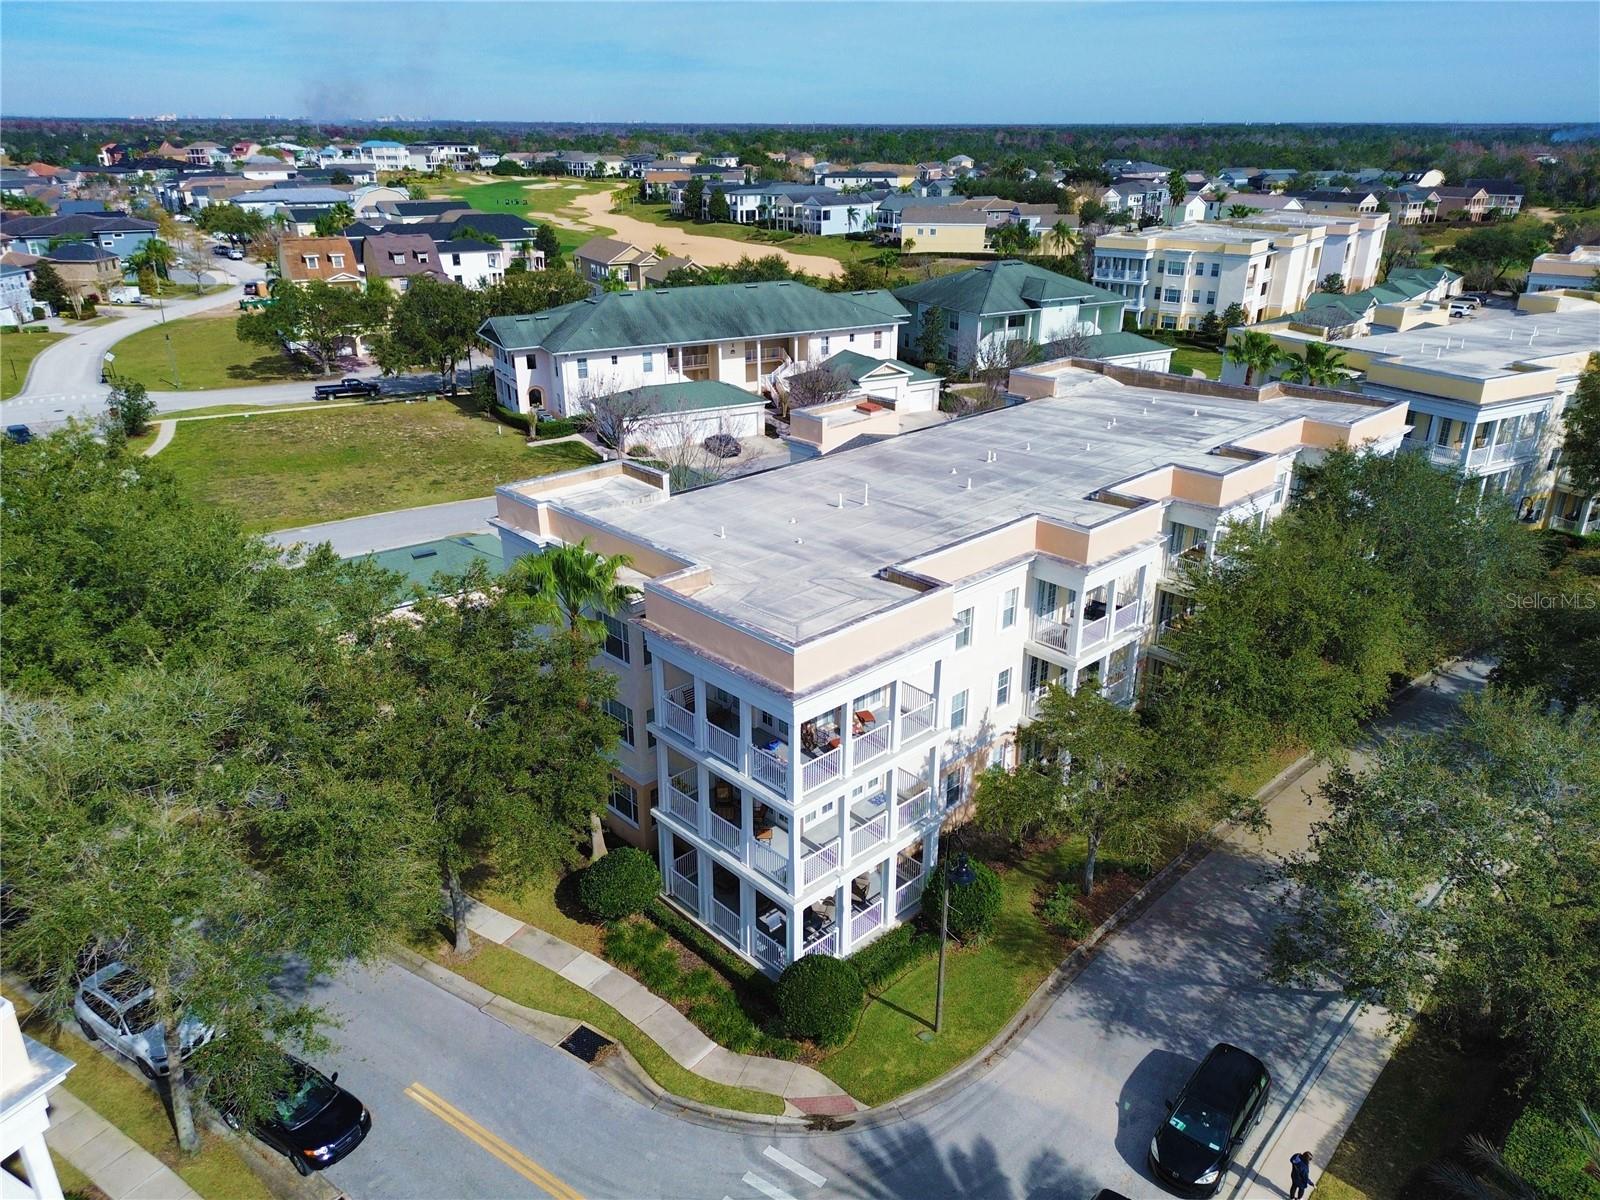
<point x="504" y="1151"/>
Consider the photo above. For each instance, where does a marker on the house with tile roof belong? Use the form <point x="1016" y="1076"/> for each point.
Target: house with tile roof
<point x="748" y="335"/>
<point x="329" y="259"/>
<point x="1505" y="195"/>
<point x="398" y="258"/>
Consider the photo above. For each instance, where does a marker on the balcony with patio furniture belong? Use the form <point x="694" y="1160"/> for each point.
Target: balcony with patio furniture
<point x="769" y="751"/>
<point x="822" y="749"/>
<point x="725" y="819"/>
<point x="910" y="877"/>
<point x="724" y="732"/>
<point x="769" y="938"/>
<point x="769" y="843"/>
<point x="680" y="799"/>
<point x="871" y="729"/>
<point x="819" y="928"/>
<point x="868" y="912"/>
<point x="676" y="712"/>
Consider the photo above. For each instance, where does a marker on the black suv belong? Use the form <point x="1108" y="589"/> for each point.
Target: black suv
<point x="314" y="1123"/>
<point x="1209" y="1119"/>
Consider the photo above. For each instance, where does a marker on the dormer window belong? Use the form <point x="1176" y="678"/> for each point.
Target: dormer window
<point x="310" y="261"/>
<point x="421" y="257"/>
<point x="397" y="259"/>
<point x="336" y="260"/>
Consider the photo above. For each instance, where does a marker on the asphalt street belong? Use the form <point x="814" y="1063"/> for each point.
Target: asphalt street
<point x="466" y="1107"/>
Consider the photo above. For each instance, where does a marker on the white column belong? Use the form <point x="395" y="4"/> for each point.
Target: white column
<point x="702" y="797"/>
<point x="890" y="886"/>
<point x="747" y="727"/>
<point x="702" y="872"/>
<point x="747" y="915"/>
<point x="795" y="926"/>
<point x="699" y="713"/>
<point x="41" y="1172"/>
<point x="746" y="824"/>
<point x="795" y="882"/>
<point x="841" y="909"/>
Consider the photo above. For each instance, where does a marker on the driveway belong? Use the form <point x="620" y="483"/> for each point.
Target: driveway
<point x="1069" y="1110"/>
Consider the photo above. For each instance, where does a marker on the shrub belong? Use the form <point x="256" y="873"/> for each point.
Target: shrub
<point x="819" y="997"/>
<point x="973" y="907"/>
<point x="514" y="419"/>
<point x="1065" y="915"/>
<point x="38" y="312"/>
<point x="554" y="427"/>
<point x="1547" y="1153"/>
<point x="638" y="450"/>
<point x="620" y="884"/>
<point x="891" y="954"/>
<point x="723" y="445"/>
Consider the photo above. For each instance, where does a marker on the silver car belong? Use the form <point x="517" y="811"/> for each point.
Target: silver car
<point x="113" y="1005"/>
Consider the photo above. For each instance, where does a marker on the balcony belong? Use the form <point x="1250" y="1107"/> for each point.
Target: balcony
<point x="683" y="881"/>
<point x="724" y="833"/>
<point x="1126" y="617"/>
<point x="1049" y="629"/>
<point x="682" y="801"/>
<point x="873" y="743"/>
<point x="697" y="360"/>
<point x="873" y="831"/>
<point x="918" y="710"/>
<point x="1096" y="631"/>
<point x="822" y="769"/>
<point x="770" y="954"/>
<point x="725" y="920"/>
<point x="677" y="712"/>
<point x="864" y="919"/>
<point x="816" y="864"/>
<point x="723" y="743"/>
<point x="913" y="809"/>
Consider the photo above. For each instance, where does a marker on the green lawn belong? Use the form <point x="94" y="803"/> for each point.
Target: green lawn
<point x="761" y="240"/>
<point x="1187" y="358"/>
<point x="515" y="196"/>
<point x="1425" y="1101"/>
<point x="509" y="974"/>
<point x="217" y="410"/>
<point x="536" y="903"/>
<point x="17" y="352"/>
<point x="206" y="353"/>
<point x="216" y="1171"/>
<point x="278" y="469"/>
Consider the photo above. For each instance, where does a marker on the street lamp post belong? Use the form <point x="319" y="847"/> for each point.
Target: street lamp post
<point x="959" y="875"/>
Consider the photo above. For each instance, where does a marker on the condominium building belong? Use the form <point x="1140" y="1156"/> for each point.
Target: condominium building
<point x="1579" y="269"/>
<point x="1268" y="264"/>
<point x="1352" y="246"/>
<point x="1485" y="393"/>
<point x="825" y="654"/>
<point x="749" y="335"/>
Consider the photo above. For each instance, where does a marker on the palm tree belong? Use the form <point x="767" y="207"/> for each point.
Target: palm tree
<point x="660" y="250"/>
<point x="850" y="215"/>
<point x="1064" y="236"/>
<point x="1255" y="352"/>
<point x="155" y="254"/>
<point x="906" y="243"/>
<point x="569" y="583"/>
<point x="1321" y="366"/>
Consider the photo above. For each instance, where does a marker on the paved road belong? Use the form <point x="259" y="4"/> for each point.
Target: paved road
<point x="1071" y="1110"/>
<point x="387" y="530"/>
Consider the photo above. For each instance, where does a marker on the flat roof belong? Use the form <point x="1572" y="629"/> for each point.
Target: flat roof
<point x="418" y="564"/>
<point x="787" y="560"/>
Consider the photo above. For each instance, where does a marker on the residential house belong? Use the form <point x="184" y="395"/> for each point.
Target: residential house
<point x="269" y="201"/>
<point x="1339" y="200"/>
<point x="329" y="259"/>
<point x="1196" y="206"/>
<point x="587" y="165"/>
<point x="409" y="212"/>
<point x="822" y="658"/>
<point x="833" y="213"/>
<point x="205" y="154"/>
<point x="749" y="335"/>
<point x="1579" y="269"/>
<point x="927" y="172"/>
<point x="16" y="291"/>
<point x="1411" y="204"/>
<point x="1505" y="195"/>
<point x="1128" y="168"/>
<point x="942" y="228"/>
<point x="386" y="155"/>
<point x="1351" y="246"/>
<point x="430" y="156"/>
<point x="117" y="233"/>
<point x="890" y="213"/>
<point x="87" y="271"/>
<point x="602" y="258"/>
<point x="1408" y="297"/>
<point x="398" y="258"/>
<point x="473" y="263"/>
<point x="1140" y="198"/>
<point x="1431" y="178"/>
<point x="29" y="1072"/>
<point x="271" y="170"/>
<point x="1008" y="301"/>
<point x="514" y="234"/>
<point x="721" y="160"/>
<point x="1171" y="277"/>
<point x="960" y="164"/>
<point x="866" y="175"/>
<point x="1462" y="203"/>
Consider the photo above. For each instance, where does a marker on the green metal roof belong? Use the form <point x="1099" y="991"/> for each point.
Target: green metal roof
<point x="857" y="366"/>
<point x="420" y="563"/>
<point x="1117" y="343"/>
<point x="1004" y="287"/>
<point x="703" y="313"/>
<point x="694" y="396"/>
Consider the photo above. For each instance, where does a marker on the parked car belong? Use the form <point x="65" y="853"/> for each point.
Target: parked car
<point x="348" y="386"/>
<point x="1209" y="1119"/>
<point x="236" y="254"/>
<point x="1462" y="308"/>
<point x="19" y="435"/>
<point x="113" y="1005"/>
<point x="222" y="251"/>
<point x="314" y="1123"/>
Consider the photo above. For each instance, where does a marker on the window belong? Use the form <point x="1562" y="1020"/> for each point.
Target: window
<point x="952" y="787"/>
<point x="613" y="360"/>
<point x="624" y="801"/>
<point x="958" y="709"/>
<point x="963" y="629"/>
<point x="1002" y="688"/>
<point x="455" y="260"/>
<point x="532" y="361"/>
<point x="649" y="720"/>
<point x="623" y="716"/>
<point x="1216" y="269"/>
<point x="398" y="260"/>
<point x="1169" y="322"/>
<point x="1171" y="295"/>
<point x="824" y="344"/>
<point x="422" y="256"/>
<point x="1280" y="489"/>
<point x="337" y="260"/>
<point x="877" y="339"/>
<point x="1174" y="267"/>
<point x="1008" y="609"/>
<point x="494" y="260"/>
<point x="616" y="643"/>
<point x="310" y="261"/>
<point x="1195" y="298"/>
<point x="1199" y="268"/>
<point x="649" y="362"/>
<point x="1211" y="298"/>
<point x="583" y="368"/>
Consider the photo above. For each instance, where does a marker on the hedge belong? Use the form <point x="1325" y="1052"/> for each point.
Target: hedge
<point x="973" y="907"/>
<point x="819" y="998"/>
<point x="554" y="427"/>
<point x="514" y="419"/>
<point x="884" y="959"/>
<point x="1546" y="1152"/>
<point x="619" y="884"/>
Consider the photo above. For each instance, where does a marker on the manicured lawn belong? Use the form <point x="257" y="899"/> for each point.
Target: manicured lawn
<point x="1425" y="1101"/>
<point x="537" y="903"/>
<point x="217" y="410"/>
<point x="277" y="470"/>
<point x="207" y="355"/>
<point x="216" y="1171"/>
<point x="509" y="974"/>
<point x="17" y="352"/>
<point x="555" y="200"/>
<point x="1187" y="358"/>
<point x="186" y="291"/>
<point x="761" y="241"/>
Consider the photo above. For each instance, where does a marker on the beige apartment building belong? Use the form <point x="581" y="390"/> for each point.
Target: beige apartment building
<point x="824" y="654"/>
<point x="1268" y="264"/>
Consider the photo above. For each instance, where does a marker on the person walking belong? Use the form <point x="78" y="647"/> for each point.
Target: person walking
<point x="1299" y="1175"/>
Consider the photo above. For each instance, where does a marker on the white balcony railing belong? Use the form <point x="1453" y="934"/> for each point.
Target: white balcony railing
<point x="681" y="804"/>
<point x="872" y="743"/>
<point x="822" y="943"/>
<point x="1126" y="617"/>
<point x="769" y="862"/>
<point x="766" y="767"/>
<point x="869" y="834"/>
<point x="768" y="952"/>
<point x="908" y="894"/>
<point x="723" y="744"/>
<point x="677" y="713"/>
<point x="822" y="769"/>
<point x="864" y="921"/>
<point x="725" y="833"/>
<point x="685" y="891"/>
<point x="724" y="920"/>
<point x="1095" y="632"/>
<point x="1051" y="632"/>
<point x="914" y="809"/>
<point x="916" y="721"/>
<point x="817" y="863"/>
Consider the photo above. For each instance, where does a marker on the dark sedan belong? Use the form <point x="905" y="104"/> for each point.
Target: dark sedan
<point x="1209" y="1119"/>
<point x="314" y="1123"/>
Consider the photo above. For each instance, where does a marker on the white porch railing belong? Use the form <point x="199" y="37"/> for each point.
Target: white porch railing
<point x="1051" y="632"/>
<point x="1126" y="617"/>
<point x="872" y="743"/>
<point x="916" y="721"/>
<point x="1096" y="631"/>
<point x="682" y="805"/>
<point x="914" y="809"/>
<point x="864" y="921"/>
<point x="819" y="862"/>
<point x="869" y="834"/>
<point x="725" y="833"/>
<point x="766" y="767"/>
<point x="907" y="894"/>
<point x="822" y="943"/>
<point x="769" y="862"/>
<point x="685" y="891"/>
<point x="676" y="715"/>
<point x="822" y="769"/>
<point x="767" y="952"/>
<point x="723" y="744"/>
<point x="724" y="920"/>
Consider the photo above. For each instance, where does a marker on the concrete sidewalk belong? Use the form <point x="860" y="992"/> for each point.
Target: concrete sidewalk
<point x="802" y="1089"/>
<point x="116" y="1164"/>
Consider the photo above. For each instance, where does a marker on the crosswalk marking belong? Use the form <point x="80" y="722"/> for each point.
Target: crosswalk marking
<point x="789" y="1164"/>
<point x="761" y="1185"/>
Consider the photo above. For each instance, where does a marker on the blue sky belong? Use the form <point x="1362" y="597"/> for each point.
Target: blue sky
<point x="907" y="63"/>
